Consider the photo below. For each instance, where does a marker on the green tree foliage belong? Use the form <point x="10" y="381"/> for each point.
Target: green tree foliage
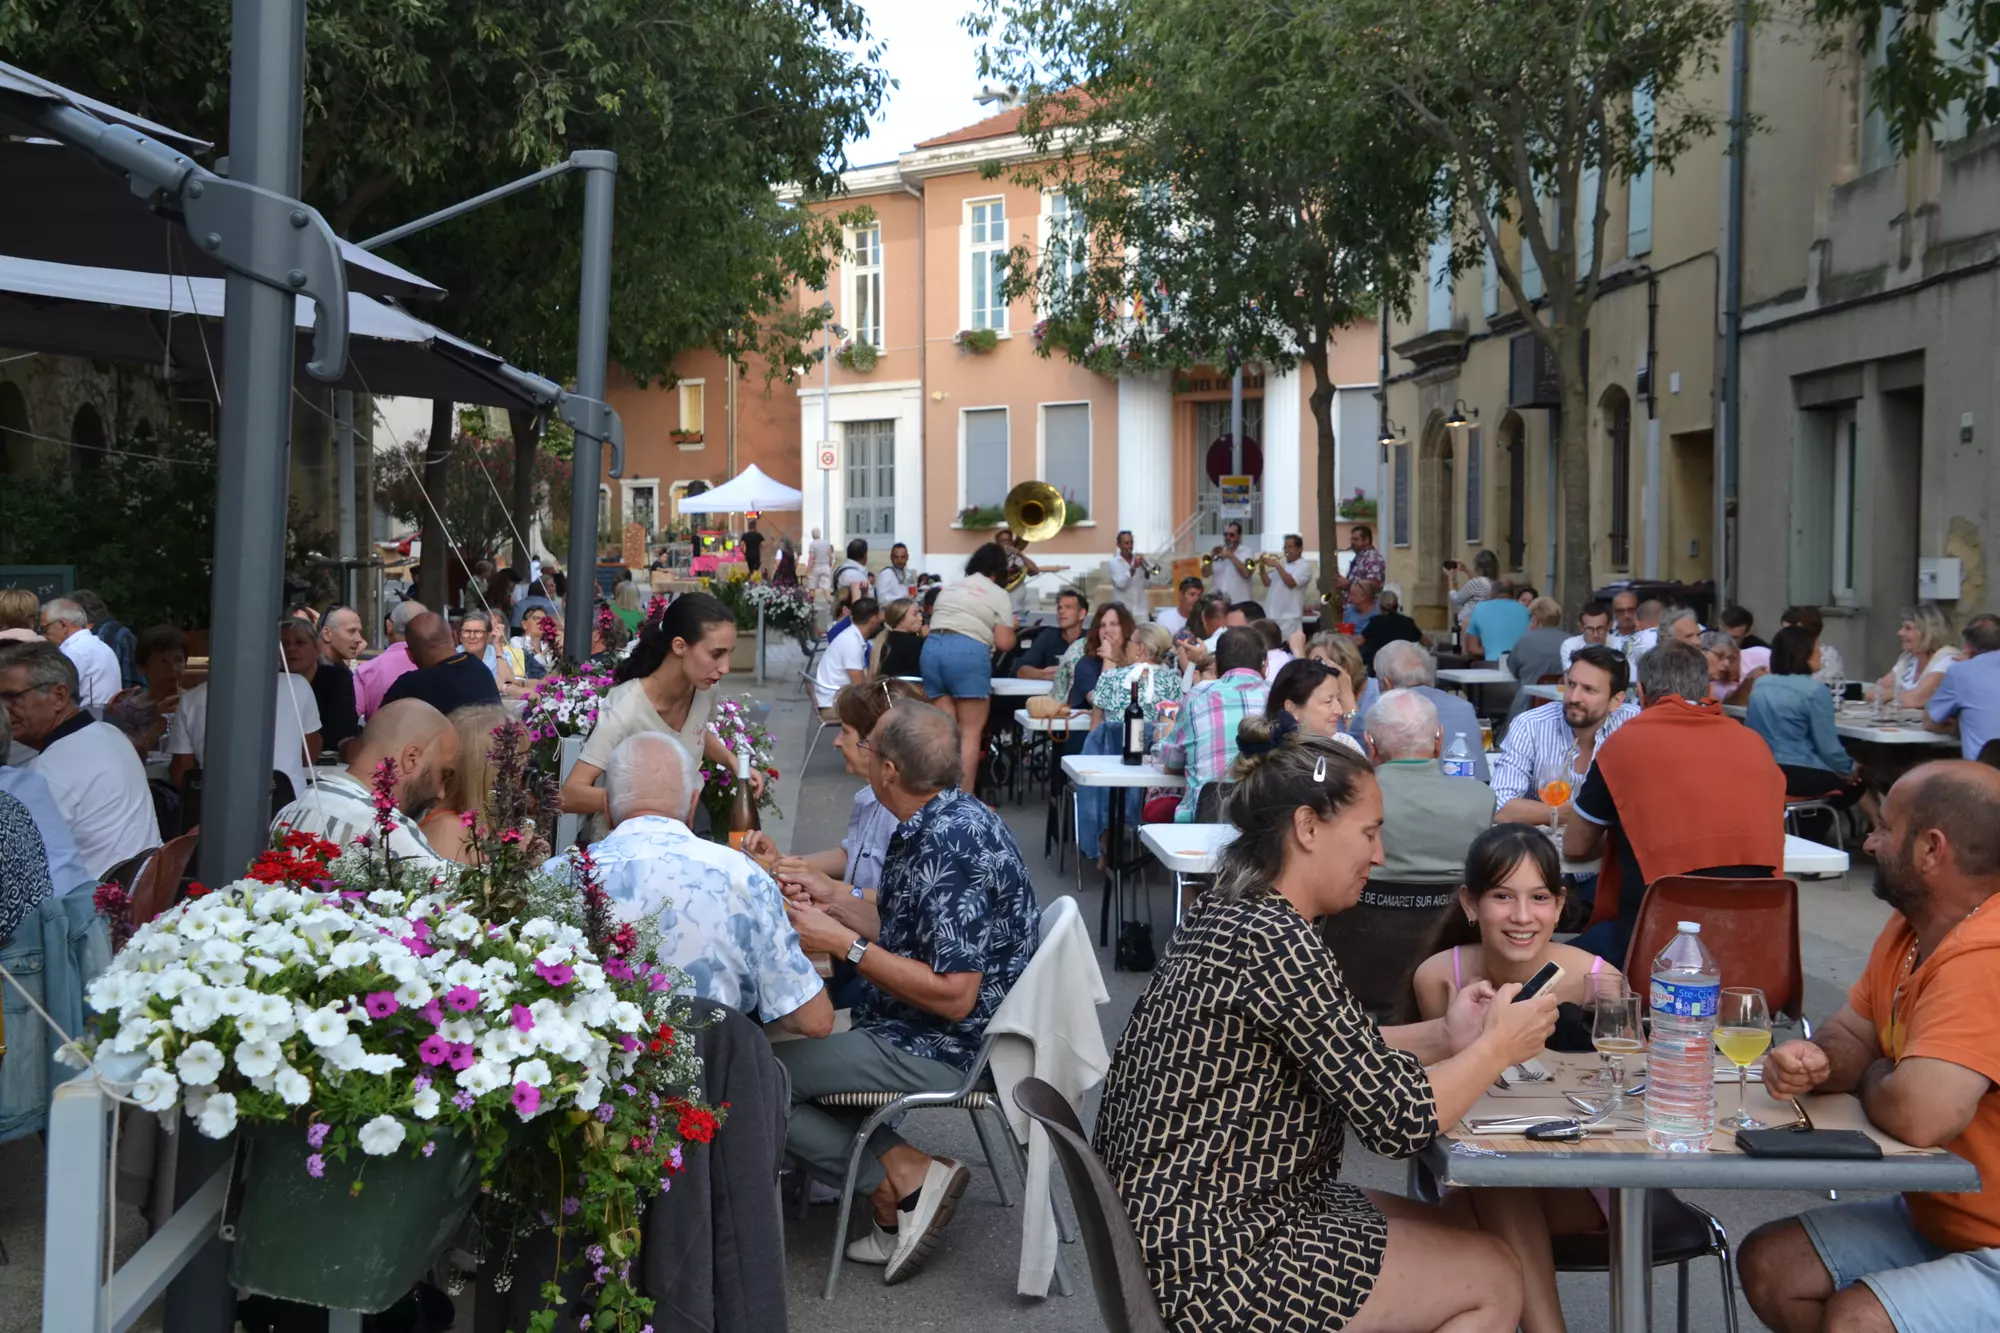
<point x="1240" y="201"/>
<point x="1938" y="57"/>
<point x="1530" y="104"/>
<point x="476" y="501"/>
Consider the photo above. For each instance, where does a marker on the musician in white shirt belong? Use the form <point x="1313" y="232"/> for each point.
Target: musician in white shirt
<point x="893" y="581"/>
<point x="1285" y="585"/>
<point x="1128" y="575"/>
<point x="1230" y="570"/>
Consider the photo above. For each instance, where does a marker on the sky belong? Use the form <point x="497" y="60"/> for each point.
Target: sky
<point x="935" y="63"/>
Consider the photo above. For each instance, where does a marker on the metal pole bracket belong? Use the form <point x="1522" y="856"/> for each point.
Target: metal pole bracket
<point x="280" y="242"/>
<point x="600" y="421"/>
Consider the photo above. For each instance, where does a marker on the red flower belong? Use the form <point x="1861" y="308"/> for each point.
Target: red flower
<point x="197" y="889"/>
<point x="697" y="1125"/>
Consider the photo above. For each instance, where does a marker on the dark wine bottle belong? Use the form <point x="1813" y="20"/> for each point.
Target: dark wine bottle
<point x="742" y="804"/>
<point x="1135" y="728"/>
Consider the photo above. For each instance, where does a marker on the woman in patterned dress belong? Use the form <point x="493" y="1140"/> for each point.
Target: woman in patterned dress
<point x="1247" y="1060"/>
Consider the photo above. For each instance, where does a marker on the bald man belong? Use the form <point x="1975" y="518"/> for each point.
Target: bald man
<point x="447" y="677"/>
<point x="1917" y="1044"/>
<point x="1428" y="820"/>
<point x="420" y="748"/>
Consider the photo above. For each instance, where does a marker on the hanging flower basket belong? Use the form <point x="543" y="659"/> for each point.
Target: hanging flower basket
<point x="859" y="357"/>
<point x="357" y="1236"/>
<point x="980" y="341"/>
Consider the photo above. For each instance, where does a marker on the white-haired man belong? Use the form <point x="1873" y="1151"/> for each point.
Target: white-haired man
<point x="722" y="919"/>
<point x="373" y="678"/>
<point x="67" y="626"/>
<point x="1428" y="819"/>
<point x="1407" y="666"/>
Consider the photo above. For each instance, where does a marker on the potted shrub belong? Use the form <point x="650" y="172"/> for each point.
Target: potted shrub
<point x="978" y="517"/>
<point x="395" y="1047"/>
<point x="684" y="436"/>
<point x="980" y="341"/>
<point x="859" y="357"/>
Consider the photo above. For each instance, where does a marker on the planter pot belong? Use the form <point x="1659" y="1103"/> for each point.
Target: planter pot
<point x="317" y="1242"/>
<point x="743" y="657"/>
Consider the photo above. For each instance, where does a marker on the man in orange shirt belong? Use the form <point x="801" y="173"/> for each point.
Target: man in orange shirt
<point x="1917" y="1043"/>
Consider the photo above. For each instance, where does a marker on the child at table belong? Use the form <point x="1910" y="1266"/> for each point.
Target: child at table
<point x="1502" y="930"/>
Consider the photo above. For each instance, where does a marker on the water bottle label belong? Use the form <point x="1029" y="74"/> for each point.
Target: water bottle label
<point x="1681" y="999"/>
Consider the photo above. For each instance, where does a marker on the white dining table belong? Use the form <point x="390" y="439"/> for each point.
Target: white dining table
<point x="1475" y="676"/>
<point x="1077" y="719"/>
<point x="1013" y="687"/>
<point x="1550" y="693"/>
<point x="1861" y="726"/>
<point x="1110" y="770"/>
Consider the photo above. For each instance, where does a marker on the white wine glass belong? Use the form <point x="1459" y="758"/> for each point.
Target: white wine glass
<point x="1742" y="1034"/>
<point x="1605" y="988"/>
<point x="1616" y="1033"/>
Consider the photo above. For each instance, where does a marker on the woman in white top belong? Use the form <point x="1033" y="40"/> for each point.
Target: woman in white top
<point x="1928" y="652"/>
<point x="970" y="620"/>
<point x="667" y="684"/>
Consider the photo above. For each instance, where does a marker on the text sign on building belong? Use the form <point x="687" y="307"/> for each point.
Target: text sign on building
<point x="1532" y="376"/>
<point x="829" y="455"/>
<point x="1235" y="498"/>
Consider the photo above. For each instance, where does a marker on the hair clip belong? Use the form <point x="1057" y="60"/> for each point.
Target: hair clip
<point x="1319" y="769"/>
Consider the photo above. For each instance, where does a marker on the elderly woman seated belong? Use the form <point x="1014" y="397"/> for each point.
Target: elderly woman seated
<point x="1732" y="668"/>
<point x="1247" y="1061"/>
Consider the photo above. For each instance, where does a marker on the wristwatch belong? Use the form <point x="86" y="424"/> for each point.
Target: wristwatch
<point x="856" y="949"/>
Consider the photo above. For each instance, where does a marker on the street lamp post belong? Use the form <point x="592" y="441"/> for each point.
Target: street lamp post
<point x="833" y="331"/>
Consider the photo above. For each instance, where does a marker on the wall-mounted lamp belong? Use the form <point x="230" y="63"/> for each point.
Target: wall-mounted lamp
<point x="1460" y="414"/>
<point x="1391" y="433"/>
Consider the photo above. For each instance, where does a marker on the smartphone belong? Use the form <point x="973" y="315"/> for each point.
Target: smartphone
<point x="1560" y="1131"/>
<point x="1548" y="976"/>
<point x="1851" y="691"/>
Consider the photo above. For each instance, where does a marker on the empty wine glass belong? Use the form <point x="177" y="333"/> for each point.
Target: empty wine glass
<point x="1606" y="988"/>
<point x="1742" y="1034"/>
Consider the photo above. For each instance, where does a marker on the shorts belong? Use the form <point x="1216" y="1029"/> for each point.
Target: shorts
<point x="957" y="665"/>
<point x="1923" y="1288"/>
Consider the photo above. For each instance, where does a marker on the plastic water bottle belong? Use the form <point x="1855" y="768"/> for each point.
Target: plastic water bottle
<point x="1680" y="1068"/>
<point x="1458" y="758"/>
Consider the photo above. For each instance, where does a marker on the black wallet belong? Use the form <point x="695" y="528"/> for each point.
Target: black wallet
<point x="1834" y="1144"/>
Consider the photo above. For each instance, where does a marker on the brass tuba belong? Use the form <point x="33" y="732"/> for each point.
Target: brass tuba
<point x="1035" y="512"/>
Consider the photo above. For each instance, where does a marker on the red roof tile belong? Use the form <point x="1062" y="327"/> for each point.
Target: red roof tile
<point x="993" y="127"/>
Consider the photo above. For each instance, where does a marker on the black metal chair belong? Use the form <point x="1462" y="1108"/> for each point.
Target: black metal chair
<point x="1117" y="1267"/>
<point x="1682" y="1233"/>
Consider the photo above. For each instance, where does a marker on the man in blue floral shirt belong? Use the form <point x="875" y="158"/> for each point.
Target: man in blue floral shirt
<point x="952" y="929"/>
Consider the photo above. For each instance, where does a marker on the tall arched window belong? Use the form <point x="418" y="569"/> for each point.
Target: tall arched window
<point x="86" y="440"/>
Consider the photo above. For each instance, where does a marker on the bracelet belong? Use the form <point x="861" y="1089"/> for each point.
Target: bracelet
<point x="856" y="892"/>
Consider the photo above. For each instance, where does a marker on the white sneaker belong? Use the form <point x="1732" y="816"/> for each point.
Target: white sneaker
<point x="917" y="1229"/>
<point x="874" y="1248"/>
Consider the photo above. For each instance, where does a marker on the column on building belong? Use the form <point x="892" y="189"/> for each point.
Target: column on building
<point x="1145" y="459"/>
<point x="824" y="492"/>
<point x="1284" y="446"/>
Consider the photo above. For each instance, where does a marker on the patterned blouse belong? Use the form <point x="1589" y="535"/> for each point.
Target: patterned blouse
<point x="1243" y="1066"/>
<point x="24" y="866"/>
<point x="1114" y="689"/>
<point x="954" y="896"/>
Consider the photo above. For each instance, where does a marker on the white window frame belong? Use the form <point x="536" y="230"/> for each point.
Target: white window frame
<point x="1437" y="284"/>
<point x="1066" y="228"/>
<point x="1008" y="417"/>
<point x="1843" y="520"/>
<point x="1588" y="185"/>
<point x="974" y="252"/>
<point x="1639" y="188"/>
<point x="628" y="487"/>
<point x="864" y="266"/>
<point x="700" y="426"/>
<point x="1090" y="446"/>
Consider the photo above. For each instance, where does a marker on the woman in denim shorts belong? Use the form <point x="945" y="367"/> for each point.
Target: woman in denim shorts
<point x="971" y="620"/>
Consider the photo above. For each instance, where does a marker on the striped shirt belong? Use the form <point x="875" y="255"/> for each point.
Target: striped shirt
<point x="339" y="809"/>
<point x="1202" y="743"/>
<point x="1538" y="743"/>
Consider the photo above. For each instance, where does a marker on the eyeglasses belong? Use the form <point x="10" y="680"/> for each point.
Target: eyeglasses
<point x="9" y="696"/>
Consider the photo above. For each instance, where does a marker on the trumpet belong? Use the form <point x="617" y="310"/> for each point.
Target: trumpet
<point x="1268" y="560"/>
<point x="1208" y="561"/>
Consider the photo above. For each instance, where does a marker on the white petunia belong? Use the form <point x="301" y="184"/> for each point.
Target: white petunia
<point x="481" y="1078"/>
<point x="218" y="1118"/>
<point x="292" y="1086"/>
<point x="351" y="953"/>
<point x="381" y="1063"/>
<point x="532" y="1072"/>
<point x="226" y="974"/>
<point x="169" y="984"/>
<point x="414" y="993"/>
<point x="197" y="1098"/>
<point x="400" y="964"/>
<point x="132" y="1036"/>
<point x="106" y="992"/>
<point x="539" y="928"/>
<point x="555" y="955"/>
<point x="460" y="1030"/>
<point x="459" y="926"/>
<point x="156" y="1090"/>
<point x="625" y="1016"/>
<point x="463" y="973"/>
<point x="590" y="976"/>
<point x="199" y="1063"/>
<point x="386" y="898"/>
<point x="345" y="1054"/>
<point x="274" y="1015"/>
<point x="222" y="951"/>
<point x="265" y="967"/>
<point x="424" y="1106"/>
<point x="589" y="1093"/>
<point x="257" y="1058"/>
<point x="381" y="1136"/>
<point x="324" y="1027"/>
<point x="235" y="1001"/>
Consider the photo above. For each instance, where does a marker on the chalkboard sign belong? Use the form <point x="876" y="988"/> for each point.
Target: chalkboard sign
<point x="45" y="581"/>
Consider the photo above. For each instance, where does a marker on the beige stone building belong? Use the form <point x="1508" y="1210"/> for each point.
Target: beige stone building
<point x="1868" y="369"/>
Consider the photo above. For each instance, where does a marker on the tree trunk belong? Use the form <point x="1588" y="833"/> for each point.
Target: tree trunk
<point x="527" y="429"/>
<point x="1320" y="401"/>
<point x="1573" y="451"/>
<point x="437" y="553"/>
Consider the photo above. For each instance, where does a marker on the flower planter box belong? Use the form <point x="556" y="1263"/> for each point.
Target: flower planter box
<point x="315" y="1240"/>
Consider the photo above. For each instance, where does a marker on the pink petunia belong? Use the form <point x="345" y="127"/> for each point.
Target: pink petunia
<point x="463" y="1055"/>
<point x="628" y="1041"/>
<point x="523" y="1020"/>
<point x="527" y="1099"/>
<point x="380" y="1004"/>
<point x="433" y="1013"/>
<point x="434" y="1050"/>
<point x="462" y="998"/>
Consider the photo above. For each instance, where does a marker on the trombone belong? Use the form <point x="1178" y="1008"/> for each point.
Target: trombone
<point x="1035" y="512"/>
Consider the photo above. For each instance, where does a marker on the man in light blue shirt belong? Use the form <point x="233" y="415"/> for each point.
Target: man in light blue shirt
<point x="1406" y="666"/>
<point x="722" y="919"/>
<point x="1969" y="694"/>
<point x="1495" y="624"/>
<point x="66" y="868"/>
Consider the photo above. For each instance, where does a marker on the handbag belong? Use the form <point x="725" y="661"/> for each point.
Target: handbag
<point x="1832" y="1144"/>
<point x="1135" y="947"/>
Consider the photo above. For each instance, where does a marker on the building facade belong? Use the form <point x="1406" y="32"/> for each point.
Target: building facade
<point x="930" y="432"/>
